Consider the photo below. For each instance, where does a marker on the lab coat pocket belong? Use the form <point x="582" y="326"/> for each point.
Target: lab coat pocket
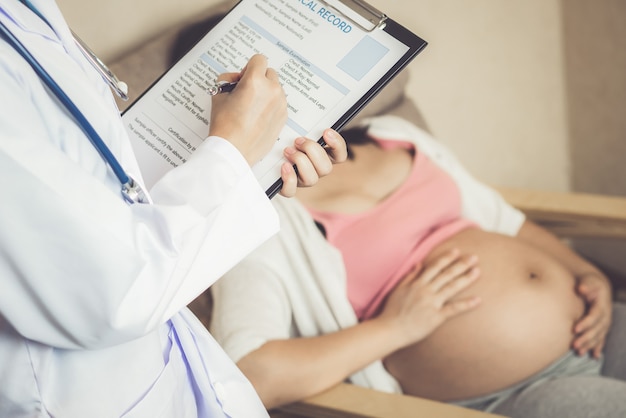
<point x="169" y="395"/>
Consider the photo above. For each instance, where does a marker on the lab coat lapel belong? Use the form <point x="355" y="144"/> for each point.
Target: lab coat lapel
<point x="52" y="45"/>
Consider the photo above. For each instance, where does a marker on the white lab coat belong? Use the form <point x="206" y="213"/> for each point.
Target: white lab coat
<point x="93" y="320"/>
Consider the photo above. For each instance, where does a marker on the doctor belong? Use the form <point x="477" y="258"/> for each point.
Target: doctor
<point x="93" y="289"/>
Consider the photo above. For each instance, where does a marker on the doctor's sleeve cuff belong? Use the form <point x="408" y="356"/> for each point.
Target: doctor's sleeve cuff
<point x="209" y="177"/>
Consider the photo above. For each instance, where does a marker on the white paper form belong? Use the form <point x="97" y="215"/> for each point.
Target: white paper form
<point x="325" y="62"/>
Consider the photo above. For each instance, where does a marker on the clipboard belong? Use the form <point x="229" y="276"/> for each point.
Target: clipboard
<point x="365" y="50"/>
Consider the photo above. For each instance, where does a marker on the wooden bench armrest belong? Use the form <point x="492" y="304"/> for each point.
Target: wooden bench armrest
<point x="351" y="401"/>
<point x="571" y="214"/>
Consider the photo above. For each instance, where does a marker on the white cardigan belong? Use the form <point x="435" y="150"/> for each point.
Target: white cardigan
<point x="295" y="284"/>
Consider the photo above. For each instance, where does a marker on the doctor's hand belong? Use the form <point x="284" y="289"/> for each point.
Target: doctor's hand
<point x="311" y="160"/>
<point x="252" y="115"/>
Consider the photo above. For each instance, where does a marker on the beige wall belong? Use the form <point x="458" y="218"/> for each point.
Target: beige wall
<point x="595" y="51"/>
<point x="491" y="85"/>
<point x="112" y="27"/>
<point x="596" y="90"/>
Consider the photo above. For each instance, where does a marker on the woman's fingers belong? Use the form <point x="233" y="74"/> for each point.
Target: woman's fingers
<point x="447" y="276"/>
<point x="462" y="267"/>
<point x="435" y="267"/>
<point x="446" y="268"/>
<point x="456" y="307"/>
<point x="459" y="283"/>
<point x="426" y="297"/>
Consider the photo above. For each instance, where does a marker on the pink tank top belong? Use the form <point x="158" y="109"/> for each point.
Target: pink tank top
<point x="381" y="245"/>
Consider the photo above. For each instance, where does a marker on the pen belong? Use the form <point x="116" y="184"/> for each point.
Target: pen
<point x="222" y="87"/>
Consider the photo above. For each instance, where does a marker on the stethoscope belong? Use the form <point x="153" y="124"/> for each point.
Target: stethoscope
<point x="131" y="190"/>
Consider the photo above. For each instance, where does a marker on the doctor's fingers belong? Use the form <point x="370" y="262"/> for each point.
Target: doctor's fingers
<point x="258" y="68"/>
<point x="260" y="73"/>
<point x="258" y="89"/>
<point x="311" y="160"/>
<point x="335" y="146"/>
<point x="249" y="121"/>
<point x="321" y="157"/>
<point x="253" y="114"/>
<point x="290" y="180"/>
<point x="228" y="77"/>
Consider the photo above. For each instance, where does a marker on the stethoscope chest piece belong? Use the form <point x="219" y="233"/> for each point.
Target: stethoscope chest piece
<point x="133" y="192"/>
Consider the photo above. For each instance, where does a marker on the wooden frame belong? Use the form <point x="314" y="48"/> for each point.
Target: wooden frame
<point x="572" y="215"/>
<point x="350" y="401"/>
<point x="568" y="215"/>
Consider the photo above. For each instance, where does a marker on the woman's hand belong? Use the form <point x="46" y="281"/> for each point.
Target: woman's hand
<point x="592" y="286"/>
<point x="425" y="298"/>
<point x="592" y="329"/>
<point x="252" y="115"/>
<point x="312" y="161"/>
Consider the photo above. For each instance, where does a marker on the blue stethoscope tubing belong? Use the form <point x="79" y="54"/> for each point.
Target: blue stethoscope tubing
<point x="130" y="189"/>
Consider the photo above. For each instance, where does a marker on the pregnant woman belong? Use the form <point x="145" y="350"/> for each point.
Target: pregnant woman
<point x="460" y="297"/>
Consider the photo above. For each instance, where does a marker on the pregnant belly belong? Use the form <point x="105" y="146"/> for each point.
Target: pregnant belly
<point x="525" y="322"/>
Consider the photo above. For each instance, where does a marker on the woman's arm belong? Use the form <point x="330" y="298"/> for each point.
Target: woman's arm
<point x="284" y="371"/>
<point x="592" y="285"/>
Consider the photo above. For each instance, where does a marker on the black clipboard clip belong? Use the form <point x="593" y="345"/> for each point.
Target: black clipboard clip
<point x="362" y="14"/>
